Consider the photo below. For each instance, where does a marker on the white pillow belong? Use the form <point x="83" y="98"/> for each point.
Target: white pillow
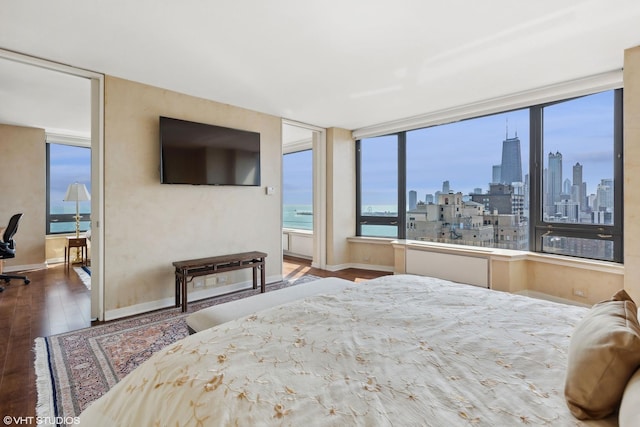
<point x="629" y="415"/>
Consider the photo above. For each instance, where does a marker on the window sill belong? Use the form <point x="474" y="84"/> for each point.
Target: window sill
<point x="497" y="254"/>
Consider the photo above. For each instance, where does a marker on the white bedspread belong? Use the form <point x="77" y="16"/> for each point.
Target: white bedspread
<point x="398" y="350"/>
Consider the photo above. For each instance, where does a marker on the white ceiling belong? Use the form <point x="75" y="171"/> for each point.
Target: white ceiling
<point x="343" y="63"/>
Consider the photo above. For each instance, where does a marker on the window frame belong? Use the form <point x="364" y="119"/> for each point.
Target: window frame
<point x="60" y="218"/>
<point x="395" y="221"/>
<point x="297" y="151"/>
<point x="538" y="229"/>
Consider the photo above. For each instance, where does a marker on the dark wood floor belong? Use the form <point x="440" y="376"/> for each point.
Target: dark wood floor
<point x="56" y="301"/>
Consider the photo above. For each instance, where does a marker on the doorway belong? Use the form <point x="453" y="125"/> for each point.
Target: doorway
<point x="304" y="192"/>
<point x="50" y="90"/>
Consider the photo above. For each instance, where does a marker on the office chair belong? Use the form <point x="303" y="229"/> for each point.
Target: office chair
<point x="8" y="249"/>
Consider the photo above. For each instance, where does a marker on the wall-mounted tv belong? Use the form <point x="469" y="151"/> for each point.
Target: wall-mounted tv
<point x="202" y="154"/>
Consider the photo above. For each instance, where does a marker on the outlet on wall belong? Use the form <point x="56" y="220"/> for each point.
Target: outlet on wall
<point x="580" y="293"/>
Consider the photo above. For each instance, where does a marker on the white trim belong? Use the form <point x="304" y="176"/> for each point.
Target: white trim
<point x="374" y="240"/>
<point x="302" y="125"/>
<point x="24" y="268"/>
<point x="319" y="199"/>
<point x="297" y="255"/>
<point x="48" y="65"/>
<point x="97" y="165"/>
<point x="579" y="87"/>
<point x="60" y="138"/>
<point x="97" y="199"/>
<point x="338" y="267"/>
<point x="319" y="147"/>
<point x="295" y="146"/>
<point x="547" y="297"/>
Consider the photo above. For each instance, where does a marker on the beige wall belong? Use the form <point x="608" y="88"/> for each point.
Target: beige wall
<point x="372" y="252"/>
<point x="341" y="195"/>
<point x="149" y="225"/>
<point x="22" y="189"/>
<point x="565" y="281"/>
<point x="632" y="172"/>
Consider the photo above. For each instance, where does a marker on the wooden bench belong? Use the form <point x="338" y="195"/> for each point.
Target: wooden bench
<point x="188" y="269"/>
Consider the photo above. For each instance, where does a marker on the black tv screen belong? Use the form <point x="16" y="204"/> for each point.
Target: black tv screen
<point x="202" y="154"/>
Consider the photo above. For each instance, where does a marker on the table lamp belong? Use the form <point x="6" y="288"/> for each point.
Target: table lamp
<point x="77" y="193"/>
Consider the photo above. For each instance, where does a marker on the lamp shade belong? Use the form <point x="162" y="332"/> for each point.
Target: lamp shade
<point x="77" y="192"/>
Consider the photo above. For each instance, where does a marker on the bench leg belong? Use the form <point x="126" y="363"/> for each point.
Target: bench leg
<point x="178" y="285"/>
<point x="184" y="294"/>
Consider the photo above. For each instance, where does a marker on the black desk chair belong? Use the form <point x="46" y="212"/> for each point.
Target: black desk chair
<point x="8" y="249"/>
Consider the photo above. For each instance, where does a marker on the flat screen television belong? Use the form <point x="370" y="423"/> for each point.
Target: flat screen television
<point x="202" y="154"/>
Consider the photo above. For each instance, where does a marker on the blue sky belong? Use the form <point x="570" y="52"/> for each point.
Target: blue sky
<point x="68" y="164"/>
<point x="297" y="178"/>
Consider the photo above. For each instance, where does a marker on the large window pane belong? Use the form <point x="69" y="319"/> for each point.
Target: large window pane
<point x="67" y="164"/>
<point x="473" y="182"/>
<point x="578" y="147"/>
<point x="575" y="246"/>
<point x="297" y="190"/>
<point x="580" y="193"/>
<point x="379" y="186"/>
<point x="467" y="182"/>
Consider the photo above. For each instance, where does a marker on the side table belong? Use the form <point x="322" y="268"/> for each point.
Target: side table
<point x="80" y="243"/>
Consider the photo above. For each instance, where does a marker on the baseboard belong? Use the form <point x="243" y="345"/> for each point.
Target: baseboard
<point x="547" y="297"/>
<point x="193" y="296"/>
<point x="338" y="267"/>
<point x="26" y="267"/>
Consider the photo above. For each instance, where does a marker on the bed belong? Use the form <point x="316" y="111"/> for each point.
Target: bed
<point x="398" y="350"/>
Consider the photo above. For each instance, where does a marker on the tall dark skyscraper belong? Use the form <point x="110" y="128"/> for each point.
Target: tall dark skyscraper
<point x="554" y="181"/>
<point x="511" y="170"/>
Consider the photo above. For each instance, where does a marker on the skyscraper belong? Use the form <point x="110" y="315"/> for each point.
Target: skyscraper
<point x="577" y="181"/>
<point x="511" y="167"/>
<point x="496" y="174"/>
<point x="554" y="182"/>
<point x="413" y="199"/>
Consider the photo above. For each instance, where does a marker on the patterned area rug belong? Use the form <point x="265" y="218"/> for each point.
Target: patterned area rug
<point x="76" y="368"/>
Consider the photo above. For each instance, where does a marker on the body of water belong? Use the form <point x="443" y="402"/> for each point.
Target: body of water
<point x="297" y="216"/>
<point x="301" y="217"/>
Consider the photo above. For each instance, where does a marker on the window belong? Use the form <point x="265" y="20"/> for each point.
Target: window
<point x="66" y="164"/>
<point x="297" y="190"/>
<point x="545" y="178"/>
<point x="466" y="174"/>
<point x="378" y="187"/>
<point x="580" y="148"/>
